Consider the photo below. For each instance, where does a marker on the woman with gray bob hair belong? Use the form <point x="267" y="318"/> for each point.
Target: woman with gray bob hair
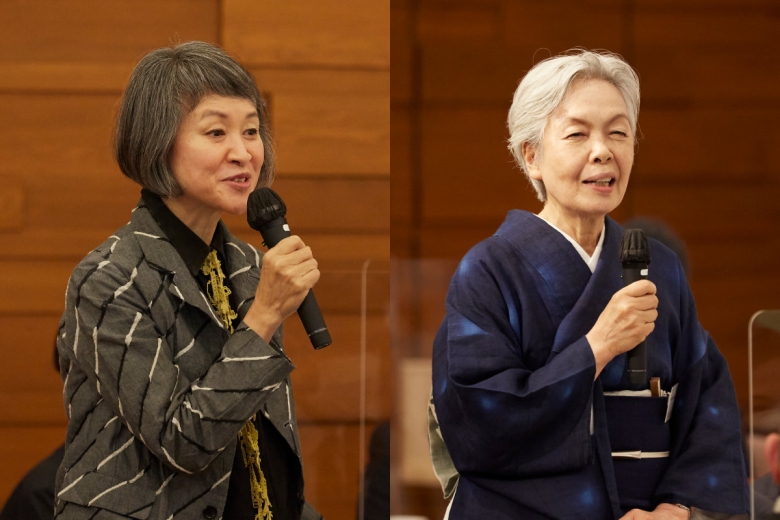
<point x="176" y="382"/>
<point x="537" y="411"/>
<point x="165" y="86"/>
<point x="546" y="84"/>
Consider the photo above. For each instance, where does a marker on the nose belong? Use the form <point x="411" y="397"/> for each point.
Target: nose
<point x="238" y="152"/>
<point x="601" y="152"/>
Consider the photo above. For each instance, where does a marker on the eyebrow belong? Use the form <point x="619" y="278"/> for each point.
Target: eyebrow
<point x="576" y="120"/>
<point x="222" y="115"/>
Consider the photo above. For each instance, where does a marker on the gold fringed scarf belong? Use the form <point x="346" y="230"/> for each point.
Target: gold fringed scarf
<point x="248" y="436"/>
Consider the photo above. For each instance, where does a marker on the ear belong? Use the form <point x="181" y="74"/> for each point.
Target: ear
<point x="772" y="453"/>
<point x="531" y="162"/>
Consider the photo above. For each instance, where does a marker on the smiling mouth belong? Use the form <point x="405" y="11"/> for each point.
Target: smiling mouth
<point x="602" y="182"/>
<point x="238" y="179"/>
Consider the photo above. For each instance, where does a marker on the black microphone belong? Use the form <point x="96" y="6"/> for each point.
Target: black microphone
<point x="266" y="213"/>
<point x="635" y="257"/>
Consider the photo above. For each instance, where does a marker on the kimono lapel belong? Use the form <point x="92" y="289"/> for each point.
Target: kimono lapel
<point x="564" y="274"/>
<point x="159" y="252"/>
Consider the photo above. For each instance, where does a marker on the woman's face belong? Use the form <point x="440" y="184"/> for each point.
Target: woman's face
<point x="217" y="156"/>
<point x="587" y="152"/>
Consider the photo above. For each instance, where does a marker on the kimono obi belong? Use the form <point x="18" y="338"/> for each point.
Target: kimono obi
<point x="640" y="439"/>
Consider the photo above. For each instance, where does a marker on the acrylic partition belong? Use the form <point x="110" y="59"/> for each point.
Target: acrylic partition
<point x="764" y="398"/>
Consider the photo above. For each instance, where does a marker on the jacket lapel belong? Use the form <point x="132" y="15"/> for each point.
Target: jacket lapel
<point x="159" y="252"/>
<point x="243" y="274"/>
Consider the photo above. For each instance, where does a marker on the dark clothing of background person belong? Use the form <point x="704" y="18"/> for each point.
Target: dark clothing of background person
<point x="376" y="491"/>
<point x="33" y="497"/>
<point x="767" y="492"/>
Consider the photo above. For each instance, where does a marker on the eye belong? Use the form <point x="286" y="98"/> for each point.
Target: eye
<point x="217" y="132"/>
<point x="252" y="131"/>
<point x="576" y="134"/>
<point x="620" y="133"/>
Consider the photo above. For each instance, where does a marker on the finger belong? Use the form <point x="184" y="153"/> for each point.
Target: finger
<point x="288" y="245"/>
<point x="639" y="288"/>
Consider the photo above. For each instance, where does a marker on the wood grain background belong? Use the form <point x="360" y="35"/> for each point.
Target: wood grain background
<point x="325" y="67"/>
<point x="707" y="164"/>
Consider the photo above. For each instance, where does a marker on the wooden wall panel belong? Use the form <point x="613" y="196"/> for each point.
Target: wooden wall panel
<point x="349" y="33"/>
<point x="95" y="31"/>
<point x="324" y="68"/>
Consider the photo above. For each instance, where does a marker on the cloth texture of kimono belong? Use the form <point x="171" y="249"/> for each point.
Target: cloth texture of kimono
<point x="155" y="389"/>
<point x="523" y="420"/>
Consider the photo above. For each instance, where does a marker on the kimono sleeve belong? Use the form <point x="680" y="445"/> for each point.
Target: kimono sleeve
<point x="707" y="466"/>
<point x="499" y="416"/>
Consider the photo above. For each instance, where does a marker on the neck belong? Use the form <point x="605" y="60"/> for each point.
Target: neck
<point x="202" y="222"/>
<point x="585" y="230"/>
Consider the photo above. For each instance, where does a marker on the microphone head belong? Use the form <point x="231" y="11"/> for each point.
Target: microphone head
<point x="264" y="206"/>
<point x="634" y="248"/>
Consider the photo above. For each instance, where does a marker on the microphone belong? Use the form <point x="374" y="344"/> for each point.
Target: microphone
<point x="266" y="213"/>
<point x="635" y="257"/>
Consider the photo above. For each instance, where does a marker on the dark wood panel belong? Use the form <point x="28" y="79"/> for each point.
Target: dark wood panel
<point x="401" y="55"/>
<point x="438" y="21"/>
<point x="695" y="76"/>
<point x="401" y="199"/>
<point x="709" y="29"/>
<point x="467" y="170"/>
<point x="23" y="447"/>
<point x="701" y="144"/>
<point x="94" y="31"/>
<point x="327" y="381"/>
<point x="719" y="213"/>
<point x="332" y="467"/>
<point x="349" y="33"/>
<point x="559" y="25"/>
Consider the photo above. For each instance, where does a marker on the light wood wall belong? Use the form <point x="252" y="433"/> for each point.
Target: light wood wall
<point x="324" y="66"/>
<point x="708" y="162"/>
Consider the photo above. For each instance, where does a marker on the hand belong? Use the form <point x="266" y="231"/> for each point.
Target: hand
<point x="288" y="272"/>
<point x="627" y="320"/>
<point x="662" y="512"/>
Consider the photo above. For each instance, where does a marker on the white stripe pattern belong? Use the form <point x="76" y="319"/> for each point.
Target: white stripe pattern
<point x="164" y="484"/>
<point x="173" y="463"/>
<point x="257" y="255"/>
<point x="156" y="355"/>
<point x="175" y="383"/>
<point x="242" y="270"/>
<point x="112" y="488"/>
<point x="211" y="310"/>
<point x="220" y="481"/>
<point x="271" y="387"/>
<point x="97" y="365"/>
<point x="129" y="337"/>
<point x="236" y="246"/>
<point x="189" y="407"/>
<point x="145" y="234"/>
<point x="70" y="486"/>
<point x="289" y="408"/>
<point x="104" y="263"/>
<point x="234" y="359"/>
<point x="76" y="335"/>
<point x="127" y="285"/>
<point x="117" y="452"/>
<point x="184" y="350"/>
<point x="196" y="387"/>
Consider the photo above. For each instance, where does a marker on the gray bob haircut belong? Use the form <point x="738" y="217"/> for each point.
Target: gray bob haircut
<point x="546" y="84"/>
<point x="166" y="85"/>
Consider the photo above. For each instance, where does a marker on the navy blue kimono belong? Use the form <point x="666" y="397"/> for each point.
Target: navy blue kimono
<point x="525" y="423"/>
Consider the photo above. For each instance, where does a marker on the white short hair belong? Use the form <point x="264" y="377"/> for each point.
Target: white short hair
<point x="546" y="84"/>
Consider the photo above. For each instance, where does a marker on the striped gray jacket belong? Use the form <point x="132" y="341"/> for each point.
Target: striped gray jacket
<point x="155" y="388"/>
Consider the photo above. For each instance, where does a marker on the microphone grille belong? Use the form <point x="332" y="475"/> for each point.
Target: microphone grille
<point x="634" y="248"/>
<point x="263" y="206"/>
